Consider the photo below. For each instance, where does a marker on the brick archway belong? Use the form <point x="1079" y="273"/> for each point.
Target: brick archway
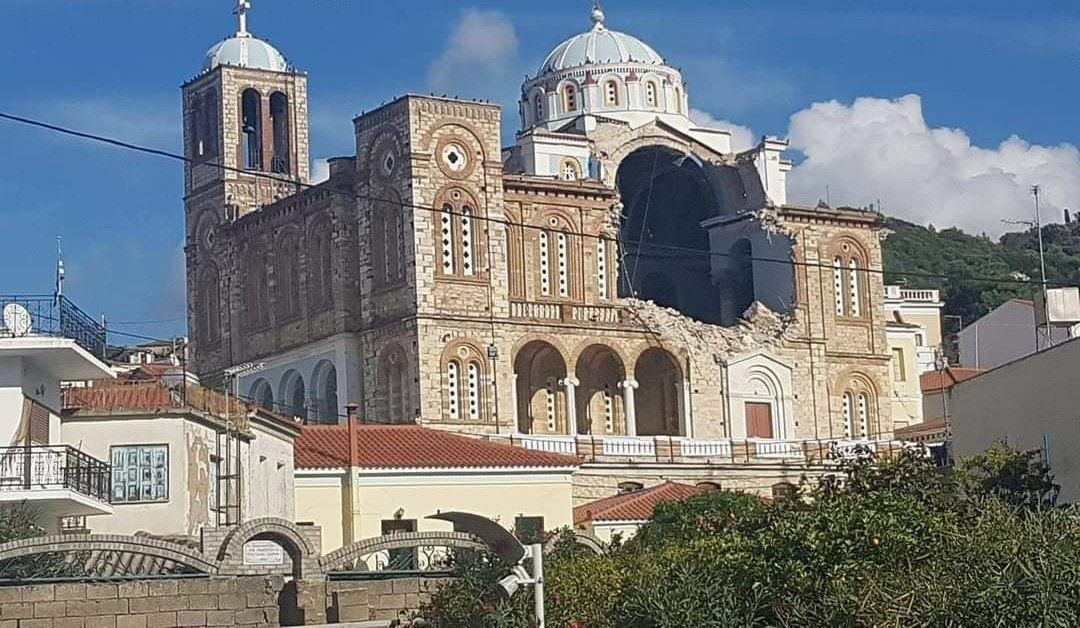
<point x="300" y="549"/>
<point x="348" y="555"/>
<point x="137" y="555"/>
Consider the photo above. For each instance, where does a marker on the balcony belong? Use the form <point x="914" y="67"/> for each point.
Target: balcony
<point x="47" y="315"/>
<point x="538" y="311"/>
<point x="678" y="450"/>
<point x="59" y="479"/>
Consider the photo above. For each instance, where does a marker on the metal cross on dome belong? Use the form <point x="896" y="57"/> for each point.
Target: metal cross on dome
<point x="241" y="11"/>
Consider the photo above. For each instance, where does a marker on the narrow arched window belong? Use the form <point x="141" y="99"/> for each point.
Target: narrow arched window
<point x="651" y="99"/>
<point x="208" y="307"/>
<point x="251" y="129"/>
<point x="563" y="265"/>
<point x="210" y="124"/>
<point x="550" y="406"/>
<point x="472" y="384"/>
<point x="466" y="236"/>
<point x="281" y="160"/>
<point x="446" y="218"/>
<point x="838" y="285"/>
<point x="545" y="264"/>
<point x="570" y="170"/>
<point x="453" y="389"/>
<point x="538" y="107"/>
<point x="570" y="97"/>
<point x="847" y="409"/>
<point x="602" y="268"/>
<point x="854" y="296"/>
<point x="678" y="100"/>
<point x="864" y="415"/>
<point x="611" y="93"/>
<point x="849" y="290"/>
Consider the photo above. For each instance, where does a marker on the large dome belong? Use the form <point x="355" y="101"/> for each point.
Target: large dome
<point x="247" y="52"/>
<point x="599" y="45"/>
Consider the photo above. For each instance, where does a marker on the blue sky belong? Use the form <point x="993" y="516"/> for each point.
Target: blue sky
<point x="983" y="70"/>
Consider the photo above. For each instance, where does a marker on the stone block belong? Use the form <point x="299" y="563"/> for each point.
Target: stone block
<point x="39" y="593"/>
<point x="384" y="613"/>
<point x="162" y="587"/>
<point x="70" y="591"/>
<point x="108" y="621"/>
<point x="81" y="608"/>
<point x="100" y="591"/>
<point x="17" y="610"/>
<point x="190" y="618"/>
<point x="112" y="607"/>
<point x="9" y="623"/>
<point x="257" y="600"/>
<point x="354" y="597"/>
<point x="405" y="585"/>
<point x="173" y="603"/>
<point x="132" y="621"/>
<point x="230" y="601"/>
<point x="49" y="609"/>
<point x="203" y="602"/>
<point x="132" y="589"/>
<point x="220" y="618"/>
<point x="144" y="604"/>
<point x="193" y="587"/>
<point x="253" y="616"/>
<point x="36" y="623"/>
<point x="161" y="620"/>
<point x="10" y="594"/>
<point x="68" y="622"/>
<point x="393" y="600"/>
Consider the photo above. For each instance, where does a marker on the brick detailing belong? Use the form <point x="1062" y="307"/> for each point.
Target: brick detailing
<point x="139" y="545"/>
<point x="346" y="556"/>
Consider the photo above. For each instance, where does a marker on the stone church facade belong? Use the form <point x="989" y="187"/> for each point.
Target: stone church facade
<point x="618" y="273"/>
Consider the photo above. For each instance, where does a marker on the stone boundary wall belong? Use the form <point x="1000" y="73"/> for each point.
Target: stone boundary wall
<point x="167" y="603"/>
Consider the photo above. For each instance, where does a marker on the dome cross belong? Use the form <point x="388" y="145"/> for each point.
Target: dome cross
<point x="241" y="11"/>
<point x="597" y="15"/>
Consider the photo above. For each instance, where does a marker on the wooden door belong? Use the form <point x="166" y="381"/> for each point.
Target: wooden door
<point x="758" y="420"/>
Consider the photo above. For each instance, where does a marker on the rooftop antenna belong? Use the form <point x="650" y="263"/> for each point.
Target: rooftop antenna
<point x="241" y="11"/>
<point x="828" y="201"/>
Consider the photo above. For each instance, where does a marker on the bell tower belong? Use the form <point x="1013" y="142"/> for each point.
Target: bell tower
<point x="246" y="143"/>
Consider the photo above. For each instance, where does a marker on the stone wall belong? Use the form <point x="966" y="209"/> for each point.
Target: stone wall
<point x="244" y="601"/>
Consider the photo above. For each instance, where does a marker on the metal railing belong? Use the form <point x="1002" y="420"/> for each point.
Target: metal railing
<point x="48" y="315"/>
<point x="51" y="467"/>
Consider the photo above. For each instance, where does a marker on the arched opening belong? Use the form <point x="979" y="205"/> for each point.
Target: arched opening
<point x="742" y="276"/>
<point x="394" y="385"/>
<point x="281" y="161"/>
<point x="256" y="288"/>
<point x="208" y="307"/>
<point x="262" y="394"/>
<point x="541" y="373"/>
<point x="320" y="263"/>
<point x="657" y="405"/>
<point x="286" y="277"/>
<point x="209" y="124"/>
<point x="666" y="196"/>
<point x="600" y="403"/>
<point x="325" y="382"/>
<point x="251" y="129"/>
<point x="294" y="395"/>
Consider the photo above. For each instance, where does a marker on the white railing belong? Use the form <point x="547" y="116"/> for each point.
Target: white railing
<point x="530" y="309"/>
<point x="552" y="444"/>
<point x="699" y="448"/>
<point x="629" y="446"/>
<point x="848" y="449"/>
<point x="594" y="314"/>
<point x="929" y="296"/>
<point x="778" y="448"/>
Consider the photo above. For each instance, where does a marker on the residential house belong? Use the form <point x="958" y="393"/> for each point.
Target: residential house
<point x="622" y="515"/>
<point x="1005" y="334"/>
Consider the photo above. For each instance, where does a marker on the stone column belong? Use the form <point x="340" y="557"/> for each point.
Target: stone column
<point x="628" y="386"/>
<point x="571" y="383"/>
<point x="515" y="428"/>
<point x="683" y="391"/>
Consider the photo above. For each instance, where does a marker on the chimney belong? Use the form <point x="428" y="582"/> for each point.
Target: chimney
<point x="1067" y="218"/>
<point x="354" y="432"/>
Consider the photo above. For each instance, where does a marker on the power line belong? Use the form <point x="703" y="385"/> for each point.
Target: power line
<point x="490" y="219"/>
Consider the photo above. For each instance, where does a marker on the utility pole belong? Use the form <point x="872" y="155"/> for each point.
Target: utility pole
<point x="1037" y="225"/>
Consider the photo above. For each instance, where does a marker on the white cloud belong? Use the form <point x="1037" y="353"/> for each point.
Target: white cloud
<point x="320" y="171"/>
<point x="479" y="60"/>
<point x="742" y="137"/>
<point x="134" y="120"/>
<point x="883" y="149"/>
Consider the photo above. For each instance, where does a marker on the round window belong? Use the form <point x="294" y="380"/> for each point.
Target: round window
<point x="210" y="237"/>
<point x="454" y="157"/>
<point x="388" y="163"/>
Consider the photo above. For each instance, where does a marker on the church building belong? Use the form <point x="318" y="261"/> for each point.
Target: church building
<point x="618" y="284"/>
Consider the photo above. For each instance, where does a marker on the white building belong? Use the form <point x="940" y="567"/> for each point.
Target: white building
<point x="44" y="341"/>
<point x="913" y="331"/>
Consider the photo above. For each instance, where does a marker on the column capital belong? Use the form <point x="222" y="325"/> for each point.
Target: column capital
<point x="629" y="383"/>
<point x="570" y="381"/>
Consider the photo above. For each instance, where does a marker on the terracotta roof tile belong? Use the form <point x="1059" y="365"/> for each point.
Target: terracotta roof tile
<point x="935" y="381"/>
<point x="412" y="447"/>
<point x="635" y="506"/>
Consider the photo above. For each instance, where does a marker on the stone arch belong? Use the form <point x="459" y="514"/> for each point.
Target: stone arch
<point x="600" y="401"/>
<point x="557" y="256"/>
<point x="346" y="557"/>
<point x="753" y="382"/>
<point x="461" y="251"/>
<point x="613" y="80"/>
<point x="567" y="86"/>
<point x="320" y="248"/>
<point x="281" y="154"/>
<point x="122" y="544"/>
<point x="541" y="377"/>
<point x="287" y="299"/>
<point x="256" y="286"/>
<point x="463" y="374"/>
<point x="262" y="394"/>
<point x="583" y="539"/>
<point x="208" y="304"/>
<point x="454" y="129"/>
<point x="859" y="403"/>
<point x="301" y="550"/>
<point x="324" y="386"/>
<point x="851" y="282"/>
<point x="251" y="129"/>
<point x="292" y="391"/>
<point x="658" y="399"/>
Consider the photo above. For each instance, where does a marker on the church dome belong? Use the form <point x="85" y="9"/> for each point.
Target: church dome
<point x="247" y="52"/>
<point x="599" y="45"/>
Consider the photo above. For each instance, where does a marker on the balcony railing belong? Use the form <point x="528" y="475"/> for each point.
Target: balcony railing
<point x="47" y="315"/>
<point x="52" y="467"/>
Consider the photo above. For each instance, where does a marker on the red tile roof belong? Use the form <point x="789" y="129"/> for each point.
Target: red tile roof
<point x="935" y="381"/>
<point x="635" y="506"/>
<point x="412" y="447"/>
<point x="927" y="430"/>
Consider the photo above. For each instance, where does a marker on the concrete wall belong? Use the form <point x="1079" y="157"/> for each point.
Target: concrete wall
<point x="1004" y="335"/>
<point x="268" y="476"/>
<point x="1023" y="402"/>
<point x="320" y="499"/>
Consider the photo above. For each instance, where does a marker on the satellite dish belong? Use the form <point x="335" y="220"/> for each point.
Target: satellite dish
<point x="17" y="320"/>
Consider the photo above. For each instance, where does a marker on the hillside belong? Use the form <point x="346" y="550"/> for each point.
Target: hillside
<point x="911" y="250"/>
